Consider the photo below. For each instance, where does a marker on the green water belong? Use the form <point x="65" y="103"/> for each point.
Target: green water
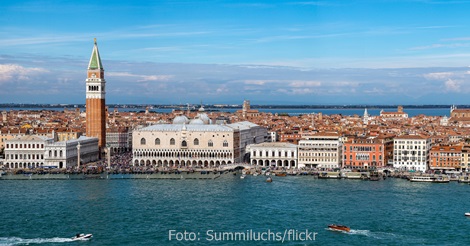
<point x="145" y="212"/>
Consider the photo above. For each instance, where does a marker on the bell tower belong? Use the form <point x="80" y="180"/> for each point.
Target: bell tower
<point x="95" y="99"/>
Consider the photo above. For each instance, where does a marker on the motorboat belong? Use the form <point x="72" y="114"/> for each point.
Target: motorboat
<point x="441" y="179"/>
<point x="336" y="227"/>
<point x="269" y="180"/>
<point x="283" y="174"/>
<point x="81" y="236"/>
<point x="243" y="176"/>
<point x="467" y="214"/>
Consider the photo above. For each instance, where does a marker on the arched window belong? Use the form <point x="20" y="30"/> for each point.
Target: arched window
<point x="210" y="143"/>
<point x="196" y="141"/>
<point x="184" y="143"/>
<point x="172" y="141"/>
<point x="60" y="153"/>
<point x="157" y="141"/>
<point x="225" y="143"/>
<point x="142" y="141"/>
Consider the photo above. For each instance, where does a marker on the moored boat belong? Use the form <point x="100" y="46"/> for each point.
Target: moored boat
<point x="441" y="179"/>
<point x="464" y="179"/>
<point x="421" y="179"/>
<point x="336" y="227"/>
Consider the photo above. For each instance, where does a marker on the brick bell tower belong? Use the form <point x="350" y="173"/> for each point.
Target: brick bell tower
<point x="95" y="99"/>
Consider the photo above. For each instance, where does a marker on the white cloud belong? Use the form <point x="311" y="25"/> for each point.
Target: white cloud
<point x="255" y="82"/>
<point x="297" y="84"/>
<point x="452" y="85"/>
<point x="14" y="72"/>
<point x="141" y="78"/>
<point x="439" y="75"/>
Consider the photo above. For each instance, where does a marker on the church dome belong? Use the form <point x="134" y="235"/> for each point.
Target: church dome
<point x="180" y="120"/>
<point x="205" y="118"/>
<point x="196" y="121"/>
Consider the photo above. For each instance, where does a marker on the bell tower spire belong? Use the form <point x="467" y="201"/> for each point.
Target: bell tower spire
<point x="95" y="98"/>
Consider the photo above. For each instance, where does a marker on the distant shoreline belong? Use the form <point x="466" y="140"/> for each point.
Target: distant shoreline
<point x="218" y="106"/>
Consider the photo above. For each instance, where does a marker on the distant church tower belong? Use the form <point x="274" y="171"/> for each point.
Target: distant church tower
<point x="246" y="107"/>
<point x="95" y="99"/>
<point x="366" y="117"/>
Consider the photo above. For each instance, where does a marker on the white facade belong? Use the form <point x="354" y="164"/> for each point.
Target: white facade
<point x="411" y="153"/>
<point x="25" y="152"/>
<point x="64" y="154"/>
<point x="41" y="152"/>
<point x="273" y="136"/>
<point x="320" y="151"/>
<point x="273" y="154"/>
<point x="194" y="145"/>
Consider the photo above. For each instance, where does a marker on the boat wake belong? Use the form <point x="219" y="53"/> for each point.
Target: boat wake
<point x="376" y="235"/>
<point x="26" y="241"/>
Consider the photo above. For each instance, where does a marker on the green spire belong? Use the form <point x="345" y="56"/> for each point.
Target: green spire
<point x="95" y="60"/>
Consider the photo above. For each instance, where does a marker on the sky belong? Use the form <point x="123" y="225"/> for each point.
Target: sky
<point x="325" y="52"/>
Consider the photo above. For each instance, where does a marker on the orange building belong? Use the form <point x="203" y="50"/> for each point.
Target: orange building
<point x="95" y="99"/>
<point x="445" y="157"/>
<point x="367" y="152"/>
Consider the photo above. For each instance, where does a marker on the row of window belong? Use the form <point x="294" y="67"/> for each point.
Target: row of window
<point x="273" y="153"/>
<point x="303" y="154"/>
<point x="362" y="157"/>
<point x="143" y="141"/>
<point x="409" y="142"/>
<point x="24" y="156"/>
<point x="26" y="146"/>
<point x="409" y="147"/>
<point x="94" y="88"/>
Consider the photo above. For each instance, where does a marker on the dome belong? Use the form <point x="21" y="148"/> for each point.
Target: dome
<point x="196" y="121"/>
<point x="180" y="120"/>
<point x="201" y="109"/>
<point x="205" y="118"/>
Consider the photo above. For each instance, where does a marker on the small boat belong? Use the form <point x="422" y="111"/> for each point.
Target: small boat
<point x="269" y="180"/>
<point x="82" y="237"/>
<point x="335" y="227"/>
<point x="467" y="214"/>
<point x="441" y="179"/>
<point x="281" y="174"/>
<point x="243" y="176"/>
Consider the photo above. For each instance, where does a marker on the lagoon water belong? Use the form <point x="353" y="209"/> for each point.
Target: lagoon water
<point x="142" y="212"/>
<point x="291" y="111"/>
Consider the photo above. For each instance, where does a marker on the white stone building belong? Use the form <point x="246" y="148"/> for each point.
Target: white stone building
<point x="25" y="151"/>
<point x="279" y="154"/>
<point x="64" y="154"/>
<point x="411" y="152"/>
<point x="322" y="150"/>
<point x="33" y="151"/>
<point x="194" y="143"/>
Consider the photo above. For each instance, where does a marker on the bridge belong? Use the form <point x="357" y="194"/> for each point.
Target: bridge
<point x="235" y="165"/>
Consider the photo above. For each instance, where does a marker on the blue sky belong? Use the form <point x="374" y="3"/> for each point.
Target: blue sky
<point x="271" y="52"/>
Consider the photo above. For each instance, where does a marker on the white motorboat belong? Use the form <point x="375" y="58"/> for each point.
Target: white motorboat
<point x="467" y="214"/>
<point x="82" y="237"/>
<point x="243" y="176"/>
